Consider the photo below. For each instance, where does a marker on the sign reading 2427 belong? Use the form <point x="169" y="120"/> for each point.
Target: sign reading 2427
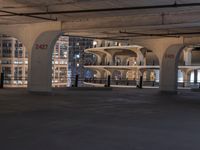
<point x="41" y="46"/>
<point x="170" y="56"/>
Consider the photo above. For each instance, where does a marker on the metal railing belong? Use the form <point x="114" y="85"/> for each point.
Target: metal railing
<point x="75" y="81"/>
<point x="121" y="82"/>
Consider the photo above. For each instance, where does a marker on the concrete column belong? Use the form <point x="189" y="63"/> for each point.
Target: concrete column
<point x="186" y="77"/>
<point x="140" y="73"/>
<point x="145" y="61"/>
<point x="109" y="59"/>
<point x="148" y="74"/>
<point x="168" y="71"/>
<point x="40" y="63"/>
<point x="187" y="54"/>
<point x="101" y="73"/>
<point x="103" y="60"/>
<point x="140" y="58"/>
<point x="110" y="55"/>
<point x="99" y="60"/>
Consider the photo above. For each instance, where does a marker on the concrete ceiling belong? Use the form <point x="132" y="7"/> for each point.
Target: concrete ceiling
<point x="119" y="19"/>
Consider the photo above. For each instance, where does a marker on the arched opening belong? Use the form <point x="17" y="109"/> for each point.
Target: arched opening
<point x="192" y="76"/>
<point x="180" y="76"/>
<point x="131" y="61"/>
<point x="151" y="58"/>
<point x="151" y="71"/>
<point x="189" y="64"/>
<point x="68" y="60"/>
<point x="93" y="58"/>
<point x="124" y="57"/>
<point x="88" y="73"/>
<point x="131" y="74"/>
<point x="118" y="61"/>
<point x="116" y="75"/>
<point x="151" y="77"/>
<point x="60" y="63"/>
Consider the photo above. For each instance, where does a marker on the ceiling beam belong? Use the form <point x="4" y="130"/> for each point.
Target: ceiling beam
<point x="25" y="15"/>
<point x="174" y="5"/>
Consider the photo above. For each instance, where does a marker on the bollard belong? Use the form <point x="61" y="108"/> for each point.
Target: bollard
<point x="76" y="81"/>
<point x="108" y="82"/>
<point x="141" y="80"/>
<point x="153" y="83"/>
<point x="2" y="80"/>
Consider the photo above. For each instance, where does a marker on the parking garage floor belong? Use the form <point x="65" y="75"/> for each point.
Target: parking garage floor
<point x="121" y="119"/>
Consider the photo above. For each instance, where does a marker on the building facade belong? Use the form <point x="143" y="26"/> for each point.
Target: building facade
<point x="14" y="62"/>
<point x="127" y="65"/>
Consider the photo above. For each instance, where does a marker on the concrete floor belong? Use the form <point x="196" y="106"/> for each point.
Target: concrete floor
<point x="122" y="119"/>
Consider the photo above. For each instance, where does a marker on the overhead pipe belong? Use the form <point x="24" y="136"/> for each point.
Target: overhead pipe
<point x="132" y="34"/>
<point x="101" y="38"/>
<point x="146" y="34"/>
<point x="177" y="35"/>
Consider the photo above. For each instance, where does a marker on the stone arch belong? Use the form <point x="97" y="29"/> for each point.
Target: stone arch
<point x="40" y="66"/>
<point x="28" y="34"/>
<point x="169" y="68"/>
<point x="190" y="56"/>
